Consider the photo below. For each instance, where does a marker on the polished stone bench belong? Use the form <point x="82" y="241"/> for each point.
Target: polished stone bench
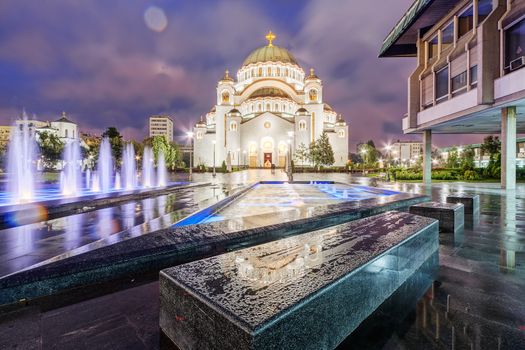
<point x="469" y="201"/>
<point x="451" y="216"/>
<point x="304" y="292"/>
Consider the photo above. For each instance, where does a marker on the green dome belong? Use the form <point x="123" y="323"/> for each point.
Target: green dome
<point x="270" y="54"/>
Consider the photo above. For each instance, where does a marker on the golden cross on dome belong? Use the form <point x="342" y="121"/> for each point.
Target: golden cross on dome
<point x="270" y="37"/>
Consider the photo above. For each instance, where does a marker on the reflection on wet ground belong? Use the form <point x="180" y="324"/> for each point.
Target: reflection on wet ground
<point x="478" y="304"/>
<point x="272" y="203"/>
<point x="24" y="246"/>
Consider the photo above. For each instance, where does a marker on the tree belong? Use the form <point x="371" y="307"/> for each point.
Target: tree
<point x="171" y="151"/>
<point x="452" y="159"/>
<point x="50" y="149"/>
<point x="115" y="139"/>
<point x="368" y="153"/>
<point x="302" y="154"/>
<point x="467" y="159"/>
<point x="321" y="152"/>
<point x="492" y="146"/>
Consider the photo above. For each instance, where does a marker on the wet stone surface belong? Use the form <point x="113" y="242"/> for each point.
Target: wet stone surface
<point x="267" y="291"/>
<point x="451" y="216"/>
<point x="481" y="274"/>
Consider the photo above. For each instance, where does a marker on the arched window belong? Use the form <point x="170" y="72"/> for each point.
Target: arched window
<point x="66" y="133"/>
<point x="260" y="71"/>
<point x="278" y="72"/>
<point x="259" y="107"/>
<point x="269" y="71"/>
<point x="302" y="125"/>
<point x="225" y="97"/>
<point x="276" y="107"/>
<point x="73" y="133"/>
<point x="253" y="107"/>
<point x="199" y="135"/>
<point x="268" y="107"/>
<point x="313" y="95"/>
<point x="341" y="133"/>
<point x="286" y="72"/>
<point x="233" y="126"/>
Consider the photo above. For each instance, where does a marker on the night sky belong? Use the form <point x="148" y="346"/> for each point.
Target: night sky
<point x="108" y="64"/>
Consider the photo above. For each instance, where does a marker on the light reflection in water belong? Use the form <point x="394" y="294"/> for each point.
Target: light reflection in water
<point x="73" y="230"/>
<point x="128" y="215"/>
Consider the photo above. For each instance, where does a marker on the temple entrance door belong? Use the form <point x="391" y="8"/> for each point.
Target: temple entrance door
<point x="253" y="161"/>
<point x="267" y="160"/>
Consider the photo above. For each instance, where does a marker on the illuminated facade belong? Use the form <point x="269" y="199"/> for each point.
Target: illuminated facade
<point x="269" y="110"/>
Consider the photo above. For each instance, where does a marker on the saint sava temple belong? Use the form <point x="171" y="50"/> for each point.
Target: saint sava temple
<point x="270" y="110"/>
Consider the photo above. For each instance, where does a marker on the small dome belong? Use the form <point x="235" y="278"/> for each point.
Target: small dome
<point x="301" y="110"/>
<point x="312" y="75"/>
<point x="63" y="119"/>
<point x="327" y="107"/>
<point x="213" y="110"/>
<point x="269" y="92"/>
<point x="234" y="113"/>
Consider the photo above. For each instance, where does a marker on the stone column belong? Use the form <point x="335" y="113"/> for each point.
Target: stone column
<point x="427" y="157"/>
<point x="508" y="148"/>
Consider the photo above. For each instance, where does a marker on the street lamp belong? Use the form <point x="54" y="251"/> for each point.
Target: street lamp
<point x="190" y="135"/>
<point x="214" y="142"/>
<point x="238" y="159"/>
<point x="290" y="149"/>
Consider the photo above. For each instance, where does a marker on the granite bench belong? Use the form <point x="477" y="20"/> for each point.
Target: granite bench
<point x="469" y="201"/>
<point x="451" y="216"/>
<point x="304" y="292"/>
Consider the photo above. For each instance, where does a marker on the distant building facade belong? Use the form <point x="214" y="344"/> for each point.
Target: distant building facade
<point x="65" y="129"/>
<point x="404" y="151"/>
<point x="482" y="160"/>
<point x="161" y="125"/>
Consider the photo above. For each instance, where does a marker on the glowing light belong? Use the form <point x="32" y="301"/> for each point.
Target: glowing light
<point x="155" y="19"/>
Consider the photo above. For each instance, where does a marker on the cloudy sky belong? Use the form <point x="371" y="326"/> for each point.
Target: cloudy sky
<point x="108" y="64"/>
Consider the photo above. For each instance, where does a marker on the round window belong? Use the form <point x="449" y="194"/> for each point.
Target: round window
<point x="267" y="125"/>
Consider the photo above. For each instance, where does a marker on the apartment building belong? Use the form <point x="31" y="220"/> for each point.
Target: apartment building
<point x="161" y="125"/>
<point x="469" y="76"/>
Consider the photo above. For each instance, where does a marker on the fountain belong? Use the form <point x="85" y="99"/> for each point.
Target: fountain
<point x="161" y="170"/>
<point x="118" y="186"/>
<point x="21" y="163"/>
<point x="70" y="175"/>
<point x="105" y="166"/>
<point x="88" y="179"/>
<point x="129" y="168"/>
<point x="148" y="172"/>
<point x="95" y="183"/>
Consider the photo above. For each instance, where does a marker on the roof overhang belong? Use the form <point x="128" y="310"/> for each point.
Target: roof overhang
<point x="422" y="14"/>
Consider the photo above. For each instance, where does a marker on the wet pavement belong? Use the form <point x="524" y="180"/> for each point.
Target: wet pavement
<point x="478" y="304"/>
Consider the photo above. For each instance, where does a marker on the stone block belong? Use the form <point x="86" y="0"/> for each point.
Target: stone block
<point x="470" y="202"/>
<point x="451" y="216"/>
<point x="304" y="292"/>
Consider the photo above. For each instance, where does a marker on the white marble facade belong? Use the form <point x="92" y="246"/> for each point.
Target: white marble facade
<point x="271" y="108"/>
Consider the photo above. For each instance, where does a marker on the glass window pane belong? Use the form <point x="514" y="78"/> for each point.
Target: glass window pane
<point x="473" y="75"/>
<point x="433" y="47"/>
<point x="459" y="81"/>
<point x="514" y="42"/>
<point x="447" y="36"/>
<point x="484" y="9"/>
<point x="465" y="22"/>
<point x="442" y="83"/>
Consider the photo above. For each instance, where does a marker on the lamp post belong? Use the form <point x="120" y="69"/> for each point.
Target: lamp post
<point x="214" y="142"/>
<point x="388" y="148"/>
<point x="290" y="149"/>
<point x="190" y="135"/>
<point x="238" y="159"/>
